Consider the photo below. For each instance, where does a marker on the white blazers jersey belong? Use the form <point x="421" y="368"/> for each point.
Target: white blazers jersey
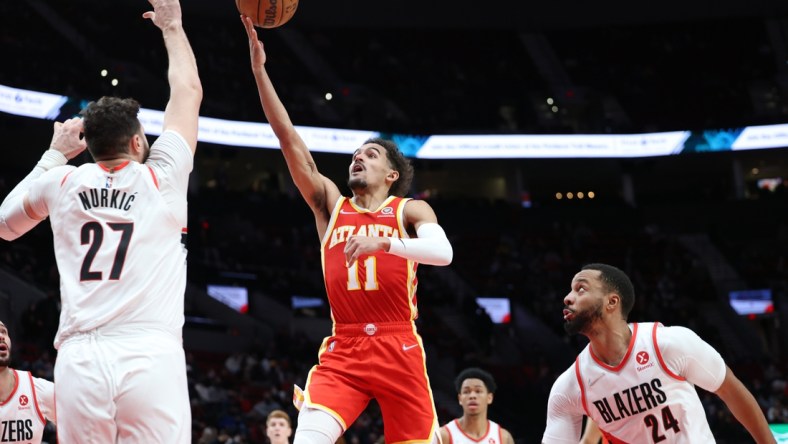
<point x="641" y="400"/>
<point x="118" y="240"/>
<point x="457" y="436"/>
<point x="22" y="414"/>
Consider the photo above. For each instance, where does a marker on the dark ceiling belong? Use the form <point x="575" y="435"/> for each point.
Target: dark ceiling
<point x="510" y="14"/>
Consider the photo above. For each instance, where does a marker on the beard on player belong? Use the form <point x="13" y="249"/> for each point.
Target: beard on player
<point x="5" y="355"/>
<point x="582" y="321"/>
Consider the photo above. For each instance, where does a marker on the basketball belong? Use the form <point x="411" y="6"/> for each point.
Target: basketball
<point x="267" y="13"/>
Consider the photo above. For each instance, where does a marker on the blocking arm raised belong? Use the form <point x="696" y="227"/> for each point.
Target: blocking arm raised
<point x="183" y="108"/>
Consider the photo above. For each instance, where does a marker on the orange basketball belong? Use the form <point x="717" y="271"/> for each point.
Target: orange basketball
<point x="267" y="13"/>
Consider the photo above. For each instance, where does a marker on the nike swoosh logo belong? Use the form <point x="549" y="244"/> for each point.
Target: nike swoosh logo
<point x="408" y="347"/>
<point x="590" y="383"/>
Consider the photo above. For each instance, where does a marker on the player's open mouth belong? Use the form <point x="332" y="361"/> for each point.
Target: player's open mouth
<point x="357" y="167"/>
<point x="568" y="314"/>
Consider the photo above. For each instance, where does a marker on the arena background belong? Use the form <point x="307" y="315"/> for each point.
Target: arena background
<point x="688" y="228"/>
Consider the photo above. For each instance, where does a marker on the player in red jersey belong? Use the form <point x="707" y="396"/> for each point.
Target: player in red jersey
<point x="369" y="256"/>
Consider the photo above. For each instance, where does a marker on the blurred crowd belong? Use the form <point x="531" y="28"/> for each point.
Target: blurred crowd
<point x="525" y="254"/>
<point x="620" y="79"/>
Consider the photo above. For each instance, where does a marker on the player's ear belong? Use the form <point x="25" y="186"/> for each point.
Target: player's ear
<point x="490" y="398"/>
<point x="135" y="144"/>
<point x="613" y="302"/>
<point x="393" y="175"/>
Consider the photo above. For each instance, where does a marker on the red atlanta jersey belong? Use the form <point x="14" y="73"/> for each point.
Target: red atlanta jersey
<point x="379" y="287"/>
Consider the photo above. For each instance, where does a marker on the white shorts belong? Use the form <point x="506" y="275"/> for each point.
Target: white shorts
<point x="122" y="387"/>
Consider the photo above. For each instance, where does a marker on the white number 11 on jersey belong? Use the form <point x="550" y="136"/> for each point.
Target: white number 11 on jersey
<point x="370" y="277"/>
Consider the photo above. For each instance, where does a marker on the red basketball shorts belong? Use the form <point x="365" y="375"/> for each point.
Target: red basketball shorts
<point x="384" y="361"/>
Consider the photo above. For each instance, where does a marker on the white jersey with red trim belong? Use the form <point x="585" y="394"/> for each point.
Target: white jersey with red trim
<point x="458" y="436"/>
<point x="24" y="413"/>
<point x="649" y="397"/>
<point x="118" y="236"/>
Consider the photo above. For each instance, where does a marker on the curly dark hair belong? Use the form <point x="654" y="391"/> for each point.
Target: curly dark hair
<point x="399" y="163"/>
<point x="109" y="124"/>
<point x="475" y="373"/>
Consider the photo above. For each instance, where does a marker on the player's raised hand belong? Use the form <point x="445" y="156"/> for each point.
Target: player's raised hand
<point x="256" y="51"/>
<point x="358" y="246"/>
<point x="67" y="138"/>
<point x="165" y="13"/>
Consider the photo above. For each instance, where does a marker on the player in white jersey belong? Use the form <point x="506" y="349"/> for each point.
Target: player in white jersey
<point x="26" y="403"/>
<point x="637" y="381"/>
<point x="118" y="225"/>
<point x="475" y="391"/>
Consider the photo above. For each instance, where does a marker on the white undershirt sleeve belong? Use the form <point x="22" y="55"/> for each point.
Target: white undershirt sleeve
<point x="689" y="356"/>
<point x="564" y="411"/>
<point x="45" y="395"/>
<point x="14" y="220"/>
<point x="431" y="247"/>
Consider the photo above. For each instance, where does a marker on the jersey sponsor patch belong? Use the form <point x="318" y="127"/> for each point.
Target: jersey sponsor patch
<point x="643" y="361"/>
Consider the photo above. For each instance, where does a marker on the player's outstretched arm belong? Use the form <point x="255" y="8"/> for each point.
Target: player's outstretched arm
<point x="319" y="192"/>
<point x="183" y="108"/>
<point x="17" y="214"/>
<point x="745" y="408"/>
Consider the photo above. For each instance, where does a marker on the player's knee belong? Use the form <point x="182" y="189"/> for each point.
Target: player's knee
<point x="316" y="427"/>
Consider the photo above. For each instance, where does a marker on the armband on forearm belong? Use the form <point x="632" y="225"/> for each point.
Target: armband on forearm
<point x="432" y="247"/>
<point x="14" y="220"/>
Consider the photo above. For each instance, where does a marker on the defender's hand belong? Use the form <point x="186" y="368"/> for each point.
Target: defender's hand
<point x="66" y="138"/>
